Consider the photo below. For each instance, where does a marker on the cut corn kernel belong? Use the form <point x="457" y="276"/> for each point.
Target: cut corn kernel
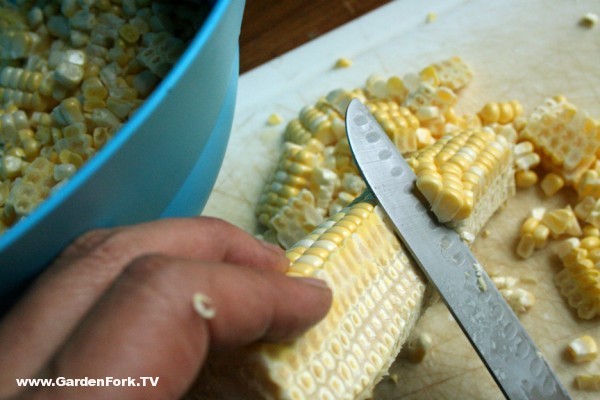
<point x="525" y="156"/>
<point x="552" y="183"/>
<point x="297" y="218"/>
<point x="431" y="17"/>
<point x="343" y="63"/>
<point x="525" y="178"/>
<point x="520" y="300"/>
<point x="562" y="221"/>
<point x="588" y="382"/>
<point x="589" y="184"/>
<point x="274" y="119"/>
<point x="589" y="20"/>
<point x="582" y="349"/>
<point x="418" y="346"/>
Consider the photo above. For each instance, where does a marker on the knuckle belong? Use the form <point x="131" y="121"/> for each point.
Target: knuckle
<point x="152" y="277"/>
<point x="114" y="245"/>
<point x="148" y="268"/>
<point x="87" y="242"/>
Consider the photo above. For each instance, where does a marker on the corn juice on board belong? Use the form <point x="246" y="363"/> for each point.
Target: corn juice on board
<point x="525" y="51"/>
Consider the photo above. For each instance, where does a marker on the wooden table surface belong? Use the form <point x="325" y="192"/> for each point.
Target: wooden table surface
<point x="272" y="27"/>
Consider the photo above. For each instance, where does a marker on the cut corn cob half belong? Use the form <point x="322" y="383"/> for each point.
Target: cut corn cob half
<point x="378" y="297"/>
<point x="464" y="169"/>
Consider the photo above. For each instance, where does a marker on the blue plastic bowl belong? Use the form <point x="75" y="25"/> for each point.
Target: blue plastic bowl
<point x="162" y="163"/>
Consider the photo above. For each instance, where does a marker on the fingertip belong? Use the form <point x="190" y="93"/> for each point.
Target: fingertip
<point x="272" y="247"/>
<point x="275" y="258"/>
<point x="315" y="282"/>
<point x="306" y="301"/>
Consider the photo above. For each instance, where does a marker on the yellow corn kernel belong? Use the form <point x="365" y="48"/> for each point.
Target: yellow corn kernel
<point x="129" y="33"/>
<point x="589" y="20"/>
<point x="582" y="349"/>
<point x="274" y="119"/>
<point x="68" y="112"/>
<point x="489" y="113"/>
<point x="519" y="300"/>
<point x="562" y="221"/>
<point x="526" y="246"/>
<point x="540" y="235"/>
<point x="552" y="183"/>
<point x="588" y="185"/>
<point x="588" y="382"/>
<point x="525" y="178"/>
<point x="343" y="63"/>
<point x="431" y="17"/>
<point x="418" y="346"/>
<point x="591" y="230"/>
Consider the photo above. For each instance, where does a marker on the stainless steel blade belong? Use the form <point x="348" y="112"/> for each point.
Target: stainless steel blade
<point x="491" y="326"/>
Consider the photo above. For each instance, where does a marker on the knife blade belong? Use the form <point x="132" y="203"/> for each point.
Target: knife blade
<point x="494" y="331"/>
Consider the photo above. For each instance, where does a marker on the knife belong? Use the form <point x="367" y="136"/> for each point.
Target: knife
<point x="495" y="332"/>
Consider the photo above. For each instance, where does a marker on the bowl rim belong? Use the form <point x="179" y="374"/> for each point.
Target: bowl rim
<point x="19" y="230"/>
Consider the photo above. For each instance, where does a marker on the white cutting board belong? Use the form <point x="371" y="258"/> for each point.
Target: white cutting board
<point x="525" y="50"/>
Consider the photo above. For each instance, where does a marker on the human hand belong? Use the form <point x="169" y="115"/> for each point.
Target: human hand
<point x="118" y="303"/>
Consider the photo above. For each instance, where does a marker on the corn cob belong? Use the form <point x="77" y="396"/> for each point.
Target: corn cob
<point x="458" y="171"/>
<point x="378" y="297"/>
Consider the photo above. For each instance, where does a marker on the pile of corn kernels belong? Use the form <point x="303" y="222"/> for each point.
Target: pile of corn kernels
<point x="71" y="73"/>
